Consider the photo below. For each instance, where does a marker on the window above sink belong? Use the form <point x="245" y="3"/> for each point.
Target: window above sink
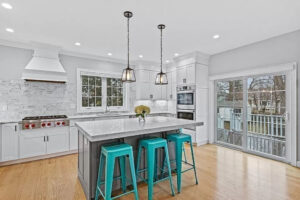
<point x="100" y="92"/>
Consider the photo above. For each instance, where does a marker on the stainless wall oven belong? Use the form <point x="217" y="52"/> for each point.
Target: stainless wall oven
<point x="186" y="98"/>
<point x="187" y="114"/>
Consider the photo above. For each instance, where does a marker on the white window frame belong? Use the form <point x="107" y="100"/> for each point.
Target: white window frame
<point x="288" y="67"/>
<point x="80" y="109"/>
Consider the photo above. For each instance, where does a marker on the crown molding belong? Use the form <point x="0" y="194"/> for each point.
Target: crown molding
<point x="193" y="57"/>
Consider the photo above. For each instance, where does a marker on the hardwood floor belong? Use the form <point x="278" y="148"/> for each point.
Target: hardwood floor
<point x="222" y="173"/>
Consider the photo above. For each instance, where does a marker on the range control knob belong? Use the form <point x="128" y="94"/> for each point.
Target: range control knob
<point x="32" y="125"/>
<point x="63" y="123"/>
<point x="43" y="124"/>
<point x="58" y="123"/>
<point x="26" y="125"/>
<point x="48" y="124"/>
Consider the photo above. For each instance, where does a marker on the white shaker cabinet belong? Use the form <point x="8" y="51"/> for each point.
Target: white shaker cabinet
<point x="58" y="140"/>
<point x="181" y="75"/>
<point x="186" y="75"/>
<point x="73" y="138"/>
<point x="146" y="88"/>
<point x="32" y="143"/>
<point x="9" y="139"/>
<point x="171" y="87"/>
<point x="143" y="91"/>
<point x="40" y="141"/>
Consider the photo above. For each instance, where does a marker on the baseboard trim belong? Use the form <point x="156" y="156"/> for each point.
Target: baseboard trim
<point x="202" y="142"/>
<point x="23" y="160"/>
<point x="298" y="164"/>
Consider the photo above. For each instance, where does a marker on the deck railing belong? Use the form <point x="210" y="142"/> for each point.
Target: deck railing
<point x="266" y="133"/>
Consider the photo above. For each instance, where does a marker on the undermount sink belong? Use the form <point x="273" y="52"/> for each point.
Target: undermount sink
<point x="109" y="114"/>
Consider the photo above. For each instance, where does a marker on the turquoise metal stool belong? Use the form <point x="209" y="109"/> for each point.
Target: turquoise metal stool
<point x="179" y="139"/>
<point x="151" y="145"/>
<point x="109" y="154"/>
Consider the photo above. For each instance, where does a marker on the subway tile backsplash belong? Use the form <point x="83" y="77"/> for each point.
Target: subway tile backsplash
<point x="19" y="98"/>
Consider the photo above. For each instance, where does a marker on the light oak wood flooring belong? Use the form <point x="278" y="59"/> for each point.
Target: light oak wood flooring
<point x="222" y="173"/>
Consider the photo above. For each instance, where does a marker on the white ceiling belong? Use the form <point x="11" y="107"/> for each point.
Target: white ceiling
<point x="100" y="26"/>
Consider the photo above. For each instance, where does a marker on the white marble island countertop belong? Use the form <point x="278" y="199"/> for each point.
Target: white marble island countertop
<point x="121" y="128"/>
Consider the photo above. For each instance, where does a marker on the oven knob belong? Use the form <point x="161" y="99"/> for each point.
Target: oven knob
<point x="58" y="123"/>
<point x="26" y="125"/>
<point x="32" y="125"/>
<point x="63" y="123"/>
<point x="49" y="124"/>
<point x="43" y="124"/>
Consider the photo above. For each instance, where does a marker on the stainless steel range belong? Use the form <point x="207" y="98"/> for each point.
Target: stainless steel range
<point x="45" y="122"/>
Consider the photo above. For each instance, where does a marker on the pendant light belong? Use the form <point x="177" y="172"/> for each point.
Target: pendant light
<point x="128" y="75"/>
<point x="161" y="78"/>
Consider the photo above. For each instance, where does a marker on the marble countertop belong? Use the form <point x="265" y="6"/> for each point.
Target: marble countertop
<point x="112" y="114"/>
<point x="10" y="120"/>
<point x="85" y="116"/>
<point x="120" y="128"/>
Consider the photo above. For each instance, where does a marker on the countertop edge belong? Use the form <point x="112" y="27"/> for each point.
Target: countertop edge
<point x="135" y="133"/>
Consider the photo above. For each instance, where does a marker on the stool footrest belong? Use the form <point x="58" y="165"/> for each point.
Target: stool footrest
<point x="131" y="191"/>
<point x="160" y="180"/>
<point x="125" y="193"/>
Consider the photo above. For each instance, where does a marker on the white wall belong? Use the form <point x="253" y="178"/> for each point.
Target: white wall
<point x="277" y="50"/>
<point x="19" y="98"/>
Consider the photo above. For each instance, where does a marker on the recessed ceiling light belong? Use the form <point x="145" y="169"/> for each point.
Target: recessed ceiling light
<point x="167" y="61"/>
<point x="141" y="56"/>
<point x="6" y="6"/>
<point x="10" y="30"/>
<point x="176" y="54"/>
<point x="216" y="36"/>
<point x="77" y="43"/>
<point x="109" y="54"/>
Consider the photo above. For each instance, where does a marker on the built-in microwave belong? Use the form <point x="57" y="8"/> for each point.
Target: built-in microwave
<point x="186" y="97"/>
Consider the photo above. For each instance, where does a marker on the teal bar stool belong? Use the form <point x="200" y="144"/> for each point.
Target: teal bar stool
<point x="179" y="139"/>
<point x="108" y="156"/>
<point x="151" y="146"/>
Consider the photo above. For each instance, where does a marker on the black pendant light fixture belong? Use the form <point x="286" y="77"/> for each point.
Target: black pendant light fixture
<point x="161" y="78"/>
<point x="128" y="75"/>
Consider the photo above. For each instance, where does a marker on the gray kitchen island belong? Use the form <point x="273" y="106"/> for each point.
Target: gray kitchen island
<point x="93" y="134"/>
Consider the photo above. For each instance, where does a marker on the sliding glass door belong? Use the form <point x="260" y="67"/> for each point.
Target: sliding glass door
<point x="251" y="114"/>
<point x="230" y="112"/>
<point x="266" y="112"/>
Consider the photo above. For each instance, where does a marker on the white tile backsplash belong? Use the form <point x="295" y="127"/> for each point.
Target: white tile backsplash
<point x="19" y="99"/>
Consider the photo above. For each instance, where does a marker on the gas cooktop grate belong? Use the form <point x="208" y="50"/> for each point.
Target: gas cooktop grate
<point x="45" y="117"/>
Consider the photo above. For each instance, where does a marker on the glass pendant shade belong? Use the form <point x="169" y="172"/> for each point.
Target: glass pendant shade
<point x="161" y="79"/>
<point x="128" y="75"/>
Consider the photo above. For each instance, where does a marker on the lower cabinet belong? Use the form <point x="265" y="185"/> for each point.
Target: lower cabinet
<point x="38" y="142"/>
<point x="58" y="141"/>
<point x="9" y="138"/>
<point x="32" y="143"/>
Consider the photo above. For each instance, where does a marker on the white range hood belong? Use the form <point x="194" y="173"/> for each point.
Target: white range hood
<point x="45" y="65"/>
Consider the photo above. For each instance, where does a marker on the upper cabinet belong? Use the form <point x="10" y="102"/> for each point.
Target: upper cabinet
<point x="186" y="75"/>
<point x="171" y="87"/>
<point x="146" y="88"/>
<point x="193" y="74"/>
